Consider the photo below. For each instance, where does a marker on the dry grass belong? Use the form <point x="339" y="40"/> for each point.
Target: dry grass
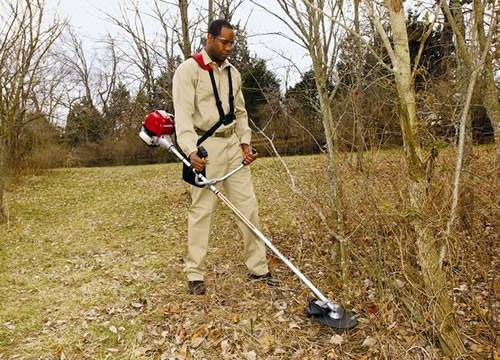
<point x="91" y="267"/>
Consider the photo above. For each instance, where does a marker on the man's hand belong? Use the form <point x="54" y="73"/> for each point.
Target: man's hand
<point x="248" y="155"/>
<point x="197" y="162"/>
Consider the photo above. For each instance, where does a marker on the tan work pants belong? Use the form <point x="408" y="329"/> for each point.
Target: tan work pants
<point x="224" y="155"/>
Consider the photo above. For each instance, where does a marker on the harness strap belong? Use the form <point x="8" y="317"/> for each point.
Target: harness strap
<point x="224" y="119"/>
<point x="218" y="103"/>
<point x="231" y="97"/>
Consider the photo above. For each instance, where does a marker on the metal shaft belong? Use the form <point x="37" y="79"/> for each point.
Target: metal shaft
<point x="269" y="244"/>
<point x="167" y="143"/>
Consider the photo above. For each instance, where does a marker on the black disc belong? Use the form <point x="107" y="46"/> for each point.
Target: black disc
<point x="322" y="315"/>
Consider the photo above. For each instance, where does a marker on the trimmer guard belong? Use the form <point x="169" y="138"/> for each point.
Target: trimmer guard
<point x="340" y="319"/>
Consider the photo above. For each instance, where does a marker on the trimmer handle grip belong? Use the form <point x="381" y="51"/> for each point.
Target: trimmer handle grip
<point x="202" y="152"/>
<point x="254" y="152"/>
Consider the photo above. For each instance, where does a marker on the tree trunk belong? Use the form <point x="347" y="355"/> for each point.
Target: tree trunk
<point x="462" y="132"/>
<point x="466" y="203"/>
<point x="490" y="102"/>
<point x="310" y="27"/>
<point x="334" y="179"/>
<point x="3" y="213"/>
<point x="186" y="41"/>
<point x="487" y="80"/>
<point x="466" y="197"/>
<point x="211" y="14"/>
<point x="358" y="124"/>
<point x="427" y="246"/>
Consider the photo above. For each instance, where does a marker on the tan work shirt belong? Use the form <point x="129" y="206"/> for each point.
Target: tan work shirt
<point x="194" y="102"/>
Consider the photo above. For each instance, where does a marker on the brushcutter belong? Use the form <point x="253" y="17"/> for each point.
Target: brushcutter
<point x="157" y="130"/>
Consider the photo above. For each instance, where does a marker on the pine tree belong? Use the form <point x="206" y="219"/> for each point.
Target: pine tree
<point x="84" y="124"/>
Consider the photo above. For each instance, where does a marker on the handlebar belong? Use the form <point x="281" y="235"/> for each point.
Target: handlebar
<point x="207" y="182"/>
<point x="202" y="181"/>
<point x="166" y="142"/>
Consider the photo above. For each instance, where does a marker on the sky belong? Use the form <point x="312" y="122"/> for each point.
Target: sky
<point x="89" y="20"/>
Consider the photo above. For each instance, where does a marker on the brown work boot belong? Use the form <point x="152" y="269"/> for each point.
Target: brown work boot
<point x="197" y="287"/>
<point x="267" y="278"/>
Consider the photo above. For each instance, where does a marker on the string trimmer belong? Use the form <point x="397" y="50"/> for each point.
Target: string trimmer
<point x="157" y="130"/>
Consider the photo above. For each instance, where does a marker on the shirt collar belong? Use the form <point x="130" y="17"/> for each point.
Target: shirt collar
<point x="207" y="60"/>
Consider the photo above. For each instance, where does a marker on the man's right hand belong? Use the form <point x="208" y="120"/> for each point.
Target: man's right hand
<point x="197" y="162"/>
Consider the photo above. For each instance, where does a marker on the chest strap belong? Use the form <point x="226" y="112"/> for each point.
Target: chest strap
<point x="224" y="119"/>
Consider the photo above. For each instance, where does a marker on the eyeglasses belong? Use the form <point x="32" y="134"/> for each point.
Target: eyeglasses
<point x="225" y="42"/>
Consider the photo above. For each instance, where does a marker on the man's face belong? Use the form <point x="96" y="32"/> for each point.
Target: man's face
<point x="220" y="47"/>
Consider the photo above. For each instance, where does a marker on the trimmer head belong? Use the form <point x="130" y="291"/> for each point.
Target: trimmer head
<point x="331" y="315"/>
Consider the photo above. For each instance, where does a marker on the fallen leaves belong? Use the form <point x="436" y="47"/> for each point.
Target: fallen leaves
<point x="336" y="340"/>
<point x="266" y="343"/>
<point x="198" y="336"/>
<point x="372" y="308"/>
<point x="137" y="305"/>
<point x="280" y="316"/>
<point x="478" y="348"/>
<point x="9" y="325"/>
<point x="250" y="355"/>
<point x="293" y="325"/>
<point x="196" y="342"/>
<point x="58" y="352"/>
<point x="236" y="318"/>
<point x="225" y="348"/>
<point x="139" y="337"/>
<point x="369" y="342"/>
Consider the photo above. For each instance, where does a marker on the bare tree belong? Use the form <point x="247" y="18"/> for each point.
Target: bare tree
<point x="96" y="79"/>
<point x="355" y="93"/>
<point x="487" y="83"/>
<point x="78" y="61"/>
<point x="420" y="175"/>
<point x="26" y="37"/>
<point x="454" y="14"/>
<point x="223" y="9"/>
<point x="314" y="25"/>
<point x="479" y="52"/>
<point x="157" y="54"/>
<point x="464" y="129"/>
<point x="142" y="51"/>
<point x="108" y="78"/>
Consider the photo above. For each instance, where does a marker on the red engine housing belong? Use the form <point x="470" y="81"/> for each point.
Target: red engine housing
<point x="158" y="123"/>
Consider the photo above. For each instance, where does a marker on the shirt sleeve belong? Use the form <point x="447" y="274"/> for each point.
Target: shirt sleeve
<point x="242" y="129"/>
<point x="183" y="93"/>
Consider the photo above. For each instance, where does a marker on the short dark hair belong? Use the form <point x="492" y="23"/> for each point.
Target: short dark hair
<point x="214" y="28"/>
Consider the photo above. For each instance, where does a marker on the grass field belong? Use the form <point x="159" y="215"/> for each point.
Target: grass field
<point x="92" y="267"/>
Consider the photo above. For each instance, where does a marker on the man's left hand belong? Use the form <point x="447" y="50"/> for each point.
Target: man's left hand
<point x="248" y="155"/>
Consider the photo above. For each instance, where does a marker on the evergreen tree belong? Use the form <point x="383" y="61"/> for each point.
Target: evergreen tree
<point x="435" y="51"/>
<point x="433" y="62"/>
<point x="84" y="123"/>
<point x="305" y="93"/>
<point x="259" y="86"/>
<point x="160" y="98"/>
<point x="258" y="83"/>
<point x="118" y="110"/>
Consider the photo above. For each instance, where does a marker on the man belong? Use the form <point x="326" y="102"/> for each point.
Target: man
<point x="195" y="113"/>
